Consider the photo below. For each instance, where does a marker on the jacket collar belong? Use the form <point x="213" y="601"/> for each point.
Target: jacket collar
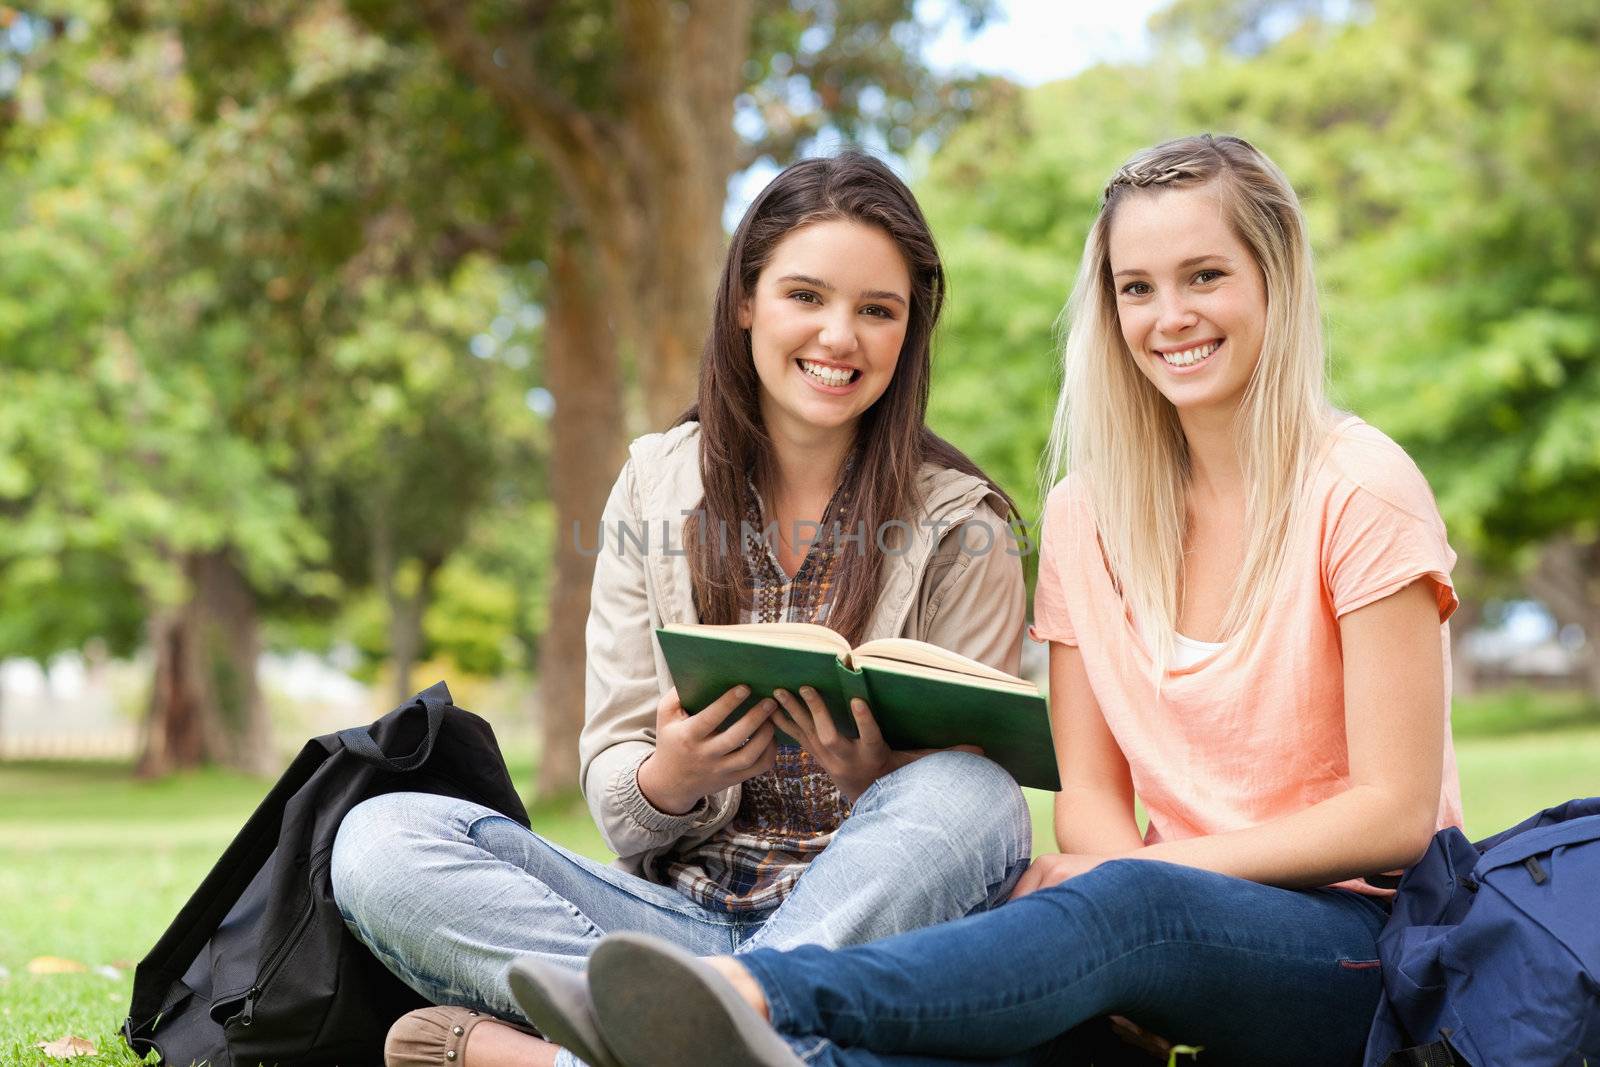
<point x="667" y="477"/>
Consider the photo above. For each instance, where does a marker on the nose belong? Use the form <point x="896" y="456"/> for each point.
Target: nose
<point x="1174" y="316"/>
<point x="838" y="333"/>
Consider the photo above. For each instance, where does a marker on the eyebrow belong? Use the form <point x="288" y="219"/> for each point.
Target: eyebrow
<point x="1192" y="261"/>
<point x="866" y="294"/>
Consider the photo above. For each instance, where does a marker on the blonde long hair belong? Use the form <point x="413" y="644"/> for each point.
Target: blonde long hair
<point x="1121" y="436"/>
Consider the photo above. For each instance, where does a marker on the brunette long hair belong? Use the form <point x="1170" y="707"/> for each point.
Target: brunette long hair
<point x="892" y="442"/>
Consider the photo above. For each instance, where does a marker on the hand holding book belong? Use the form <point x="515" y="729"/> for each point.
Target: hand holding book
<point x="695" y="756"/>
<point x="922" y="697"/>
<point x="853" y="763"/>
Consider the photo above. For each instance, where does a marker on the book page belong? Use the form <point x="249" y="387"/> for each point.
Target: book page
<point x="802" y="635"/>
<point x="905" y="650"/>
<point x="998" y="680"/>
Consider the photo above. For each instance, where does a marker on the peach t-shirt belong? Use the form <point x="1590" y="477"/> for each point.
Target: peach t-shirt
<point x="1252" y="733"/>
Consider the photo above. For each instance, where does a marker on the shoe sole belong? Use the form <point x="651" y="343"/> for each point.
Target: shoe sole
<point x="659" y="1006"/>
<point x="556" y="1001"/>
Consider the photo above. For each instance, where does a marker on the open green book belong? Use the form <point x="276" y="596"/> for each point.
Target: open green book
<point x="921" y="695"/>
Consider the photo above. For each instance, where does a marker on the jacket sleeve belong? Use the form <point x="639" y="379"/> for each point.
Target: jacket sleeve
<point x="621" y="691"/>
<point x="975" y="602"/>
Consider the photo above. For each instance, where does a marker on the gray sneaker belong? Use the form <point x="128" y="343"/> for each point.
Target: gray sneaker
<point x="556" y="1000"/>
<point x="659" y="1006"/>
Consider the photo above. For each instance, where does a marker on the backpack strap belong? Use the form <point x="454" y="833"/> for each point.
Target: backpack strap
<point x="1434" y="1054"/>
<point x="359" y="742"/>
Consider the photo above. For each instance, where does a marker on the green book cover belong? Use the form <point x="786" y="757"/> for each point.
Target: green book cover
<point x="913" y="710"/>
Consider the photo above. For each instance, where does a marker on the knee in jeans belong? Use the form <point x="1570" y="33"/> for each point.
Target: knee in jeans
<point x="970" y="797"/>
<point x="1141" y="884"/>
<point x="375" y="839"/>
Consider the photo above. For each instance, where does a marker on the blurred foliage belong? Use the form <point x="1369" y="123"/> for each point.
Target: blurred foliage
<point x="247" y="324"/>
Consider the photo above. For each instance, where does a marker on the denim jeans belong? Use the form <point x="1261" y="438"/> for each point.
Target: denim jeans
<point x="1254" y="974"/>
<point x="447" y="893"/>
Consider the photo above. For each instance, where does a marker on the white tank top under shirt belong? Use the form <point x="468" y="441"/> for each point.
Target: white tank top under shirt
<point x="1186" y="651"/>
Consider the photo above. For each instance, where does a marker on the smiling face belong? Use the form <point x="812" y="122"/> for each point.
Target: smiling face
<point x="827" y="320"/>
<point x="1191" y="300"/>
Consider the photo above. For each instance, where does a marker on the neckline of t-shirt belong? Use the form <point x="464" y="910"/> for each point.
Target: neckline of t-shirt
<point x="1213" y="650"/>
<point x="1198" y="645"/>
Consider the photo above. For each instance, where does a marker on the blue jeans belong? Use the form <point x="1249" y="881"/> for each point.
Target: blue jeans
<point x="1254" y="974"/>
<point x="447" y="893"/>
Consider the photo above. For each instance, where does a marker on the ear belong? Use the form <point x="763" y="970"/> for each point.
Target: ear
<point x="745" y="316"/>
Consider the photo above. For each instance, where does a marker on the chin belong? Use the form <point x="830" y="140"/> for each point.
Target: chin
<point x="830" y="418"/>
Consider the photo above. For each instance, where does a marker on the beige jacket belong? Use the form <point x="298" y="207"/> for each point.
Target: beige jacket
<point x="969" y="601"/>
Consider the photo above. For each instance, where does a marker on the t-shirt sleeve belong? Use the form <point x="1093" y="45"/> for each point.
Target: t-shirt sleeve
<point x="1051" y="619"/>
<point x="1385" y="532"/>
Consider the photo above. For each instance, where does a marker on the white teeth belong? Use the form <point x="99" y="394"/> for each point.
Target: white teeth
<point x="1190" y="356"/>
<point x="827" y="375"/>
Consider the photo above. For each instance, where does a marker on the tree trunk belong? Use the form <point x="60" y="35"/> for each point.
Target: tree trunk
<point x="678" y="88"/>
<point x="586" y="443"/>
<point x="1567" y="581"/>
<point x="407" y="609"/>
<point x="205" y="702"/>
<point x="645" y="185"/>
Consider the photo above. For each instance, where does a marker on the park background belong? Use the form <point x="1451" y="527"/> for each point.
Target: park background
<point x="322" y="323"/>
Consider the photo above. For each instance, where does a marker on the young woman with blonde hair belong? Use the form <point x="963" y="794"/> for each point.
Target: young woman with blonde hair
<point x="1244" y="593"/>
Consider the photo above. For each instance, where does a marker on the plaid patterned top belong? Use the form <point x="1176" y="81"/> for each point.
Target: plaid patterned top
<point x="788" y="815"/>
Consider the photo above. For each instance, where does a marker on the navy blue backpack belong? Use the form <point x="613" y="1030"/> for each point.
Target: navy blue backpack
<point x="1492" y="955"/>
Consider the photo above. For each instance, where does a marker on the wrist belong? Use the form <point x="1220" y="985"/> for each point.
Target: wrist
<point x="852" y="788"/>
<point x="655" y="786"/>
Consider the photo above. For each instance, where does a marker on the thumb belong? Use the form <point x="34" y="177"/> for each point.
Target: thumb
<point x="670" y="708"/>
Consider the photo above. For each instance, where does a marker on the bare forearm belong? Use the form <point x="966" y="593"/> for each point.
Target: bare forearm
<point x="1364" y="830"/>
<point x="1090" y="822"/>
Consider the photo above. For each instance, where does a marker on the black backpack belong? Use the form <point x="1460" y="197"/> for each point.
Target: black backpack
<point x="258" y="967"/>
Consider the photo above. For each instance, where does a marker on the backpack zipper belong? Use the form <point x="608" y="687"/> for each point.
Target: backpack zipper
<point x="247" y="1017"/>
<point x="275" y="958"/>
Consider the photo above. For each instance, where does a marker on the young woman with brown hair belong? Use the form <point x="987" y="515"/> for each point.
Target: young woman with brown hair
<point x="810" y="418"/>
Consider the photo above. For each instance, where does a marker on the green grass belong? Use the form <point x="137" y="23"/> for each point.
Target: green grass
<point x="93" y="863"/>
